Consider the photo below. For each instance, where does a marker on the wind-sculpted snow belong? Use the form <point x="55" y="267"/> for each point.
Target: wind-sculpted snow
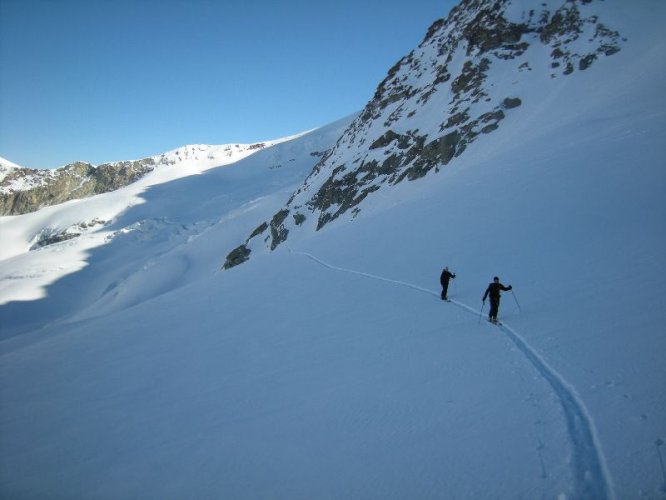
<point x="460" y="84"/>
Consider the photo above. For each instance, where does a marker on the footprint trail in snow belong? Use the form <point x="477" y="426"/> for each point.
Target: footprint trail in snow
<point x="590" y="474"/>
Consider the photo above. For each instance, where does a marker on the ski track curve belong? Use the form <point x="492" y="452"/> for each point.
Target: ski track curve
<point x="591" y="477"/>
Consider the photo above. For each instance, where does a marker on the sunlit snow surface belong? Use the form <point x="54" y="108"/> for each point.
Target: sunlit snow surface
<point x="330" y="368"/>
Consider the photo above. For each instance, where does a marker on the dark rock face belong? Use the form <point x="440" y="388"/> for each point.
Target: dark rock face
<point x="42" y="188"/>
<point x="278" y="231"/>
<point x="109" y="177"/>
<point x="445" y="80"/>
<point x="237" y="256"/>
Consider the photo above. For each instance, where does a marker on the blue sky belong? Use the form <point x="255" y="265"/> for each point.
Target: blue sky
<point x="107" y="80"/>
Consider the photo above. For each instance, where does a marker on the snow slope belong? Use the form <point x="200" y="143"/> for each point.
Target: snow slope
<point x="101" y="218"/>
<point x="329" y="368"/>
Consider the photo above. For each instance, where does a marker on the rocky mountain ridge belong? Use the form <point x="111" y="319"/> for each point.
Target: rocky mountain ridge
<point x="24" y="190"/>
<point x="438" y="100"/>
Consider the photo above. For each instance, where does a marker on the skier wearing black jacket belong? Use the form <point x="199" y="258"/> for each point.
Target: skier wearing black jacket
<point x="444" y="280"/>
<point x="493" y="291"/>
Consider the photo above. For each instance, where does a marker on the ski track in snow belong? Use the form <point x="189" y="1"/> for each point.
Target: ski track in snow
<point x="592" y="479"/>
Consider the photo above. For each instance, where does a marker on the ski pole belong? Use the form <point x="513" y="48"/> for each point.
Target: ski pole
<point x="658" y="443"/>
<point x="481" y="311"/>
<point x="514" y="298"/>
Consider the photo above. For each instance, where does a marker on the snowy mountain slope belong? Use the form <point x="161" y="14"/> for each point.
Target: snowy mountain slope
<point x="473" y="71"/>
<point x="149" y="221"/>
<point x="182" y="162"/>
<point x="24" y="190"/>
<point x="329" y="368"/>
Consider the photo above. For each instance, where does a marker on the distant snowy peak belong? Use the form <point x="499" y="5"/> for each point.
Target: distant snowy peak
<point x="460" y="83"/>
<point x="24" y="190"/>
<point x="204" y="152"/>
<point x="6" y="168"/>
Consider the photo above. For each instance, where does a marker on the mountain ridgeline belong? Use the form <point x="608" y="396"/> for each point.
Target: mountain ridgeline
<point x="438" y="100"/>
<point x="24" y="190"/>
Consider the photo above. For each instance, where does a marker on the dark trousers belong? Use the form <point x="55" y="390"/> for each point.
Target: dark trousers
<point x="494" y="308"/>
<point x="445" y="289"/>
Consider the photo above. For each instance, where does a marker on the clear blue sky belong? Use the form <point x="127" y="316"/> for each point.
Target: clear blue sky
<point x="107" y="80"/>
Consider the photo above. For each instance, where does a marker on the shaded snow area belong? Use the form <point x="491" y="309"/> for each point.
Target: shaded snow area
<point x="132" y="367"/>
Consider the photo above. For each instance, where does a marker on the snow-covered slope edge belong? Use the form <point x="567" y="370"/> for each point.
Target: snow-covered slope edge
<point x="24" y="190"/>
<point x="44" y="246"/>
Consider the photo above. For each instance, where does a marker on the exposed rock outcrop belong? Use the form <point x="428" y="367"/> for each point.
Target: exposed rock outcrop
<point x="24" y="190"/>
<point x="440" y="99"/>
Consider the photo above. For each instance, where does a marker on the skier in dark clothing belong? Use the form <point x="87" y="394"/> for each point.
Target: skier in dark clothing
<point x="493" y="291"/>
<point x="444" y="280"/>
